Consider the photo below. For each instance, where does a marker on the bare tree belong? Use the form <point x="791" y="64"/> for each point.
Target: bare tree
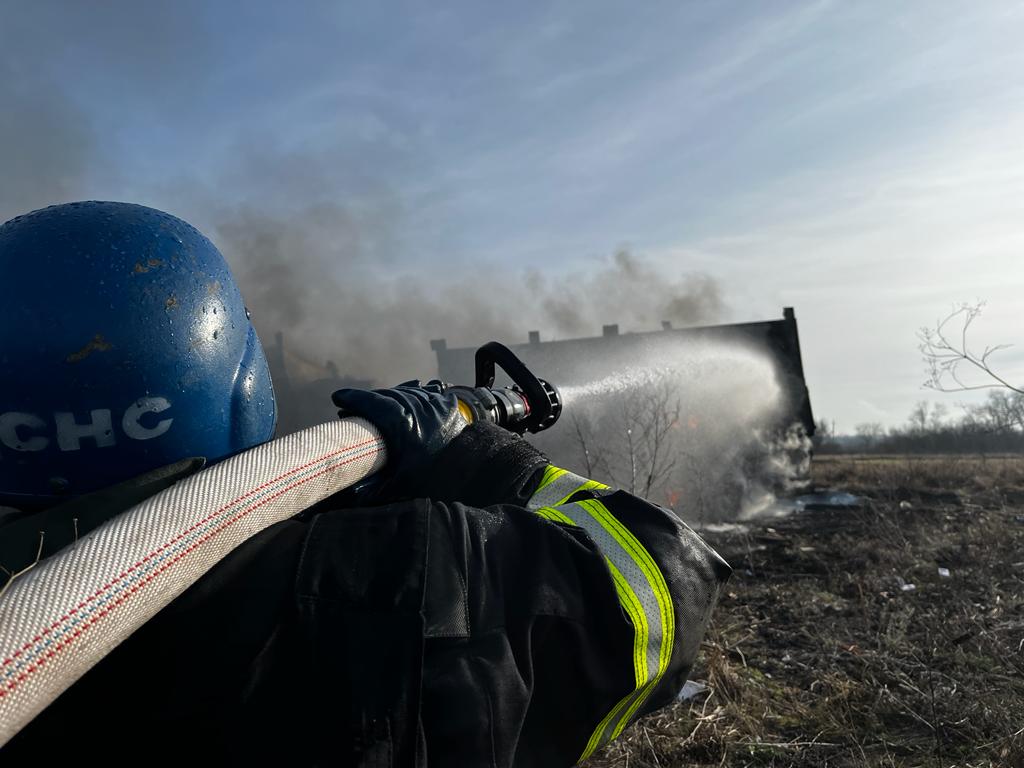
<point x="918" y="420"/>
<point x="646" y="424"/>
<point x="1002" y="412"/>
<point x="657" y="416"/>
<point x="870" y="434"/>
<point x="698" y="476"/>
<point x="822" y="439"/>
<point x="581" y="433"/>
<point x="633" y="445"/>
<point x="946" y="353"/>
<point x="937" y="418"/>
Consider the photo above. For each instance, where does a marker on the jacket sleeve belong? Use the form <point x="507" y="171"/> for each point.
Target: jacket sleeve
<point x="634" y="585"/>
<point x="666" y="581"/>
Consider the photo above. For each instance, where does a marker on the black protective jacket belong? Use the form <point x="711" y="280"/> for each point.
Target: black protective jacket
<point x="496" y="630"/>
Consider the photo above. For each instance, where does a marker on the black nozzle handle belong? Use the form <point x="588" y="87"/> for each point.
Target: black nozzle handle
<point x="494" y="353"/>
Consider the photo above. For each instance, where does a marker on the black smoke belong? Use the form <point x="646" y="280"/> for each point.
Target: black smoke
<point x="326" y="247"/>
<point x="331" y="254"/>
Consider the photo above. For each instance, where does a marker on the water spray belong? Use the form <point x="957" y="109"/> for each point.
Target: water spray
<point x="698" y="425"/>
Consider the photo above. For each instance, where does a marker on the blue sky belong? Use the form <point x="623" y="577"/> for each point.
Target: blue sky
<point x="859" y="161"/>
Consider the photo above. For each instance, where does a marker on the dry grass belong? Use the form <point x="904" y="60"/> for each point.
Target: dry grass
<point x="883" y="476"/>
<point x="819" y="657"/>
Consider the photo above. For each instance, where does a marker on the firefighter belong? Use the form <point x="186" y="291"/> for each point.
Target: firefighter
<point x="475" y="607"/>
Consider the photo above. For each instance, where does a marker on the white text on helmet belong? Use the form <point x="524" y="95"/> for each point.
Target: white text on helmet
<point x="20" y="431"/>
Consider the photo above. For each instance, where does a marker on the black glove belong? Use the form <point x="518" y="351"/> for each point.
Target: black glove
<point x="417" y="423"/>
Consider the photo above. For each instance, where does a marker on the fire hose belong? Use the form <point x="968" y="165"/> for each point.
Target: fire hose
<point x="63" y="616"/>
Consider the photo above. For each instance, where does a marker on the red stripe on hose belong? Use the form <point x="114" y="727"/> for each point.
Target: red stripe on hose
<point x="95" y="619"/>
<point x="171" y="543"/>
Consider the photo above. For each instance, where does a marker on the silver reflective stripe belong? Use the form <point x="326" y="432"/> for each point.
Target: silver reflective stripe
<point x="639" y="585"/>
<point x="558" y="485"/>
<point x="625" y="563"/>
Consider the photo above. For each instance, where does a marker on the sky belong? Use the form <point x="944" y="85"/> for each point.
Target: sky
<point x="379" y="174"/>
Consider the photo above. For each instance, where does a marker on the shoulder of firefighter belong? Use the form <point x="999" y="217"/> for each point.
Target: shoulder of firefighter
<point x="523" y="615"/>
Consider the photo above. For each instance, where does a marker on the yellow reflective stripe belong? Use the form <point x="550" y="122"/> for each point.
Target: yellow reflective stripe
<point x="633" y="700"/>
<point x="596" y="739"/>
<point x="590" y="485"/>
<point x="641" y="629"/>
<point x="551" y="473"/>
<point x="647" y="565"/>
<point x="634" y="573"/>
<point x="557" y="486"/>
<point x="657" y="583"/>
<point x="553" y="514"/>
<point x="635" y="611"/>
<point x="643" y="693"/>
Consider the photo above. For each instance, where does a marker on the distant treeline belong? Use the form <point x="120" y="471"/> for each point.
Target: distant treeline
<point x="995" y="426"/>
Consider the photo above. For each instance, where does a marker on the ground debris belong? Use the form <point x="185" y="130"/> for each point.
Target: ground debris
<point x="817" y="657"/>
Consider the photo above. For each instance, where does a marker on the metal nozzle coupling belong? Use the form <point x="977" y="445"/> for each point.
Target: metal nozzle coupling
<point x="530" y="405"/>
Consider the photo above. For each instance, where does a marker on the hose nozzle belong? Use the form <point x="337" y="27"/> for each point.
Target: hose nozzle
<point x="531" y="404"/>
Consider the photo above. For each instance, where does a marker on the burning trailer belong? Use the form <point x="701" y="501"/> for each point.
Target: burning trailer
<point x="717" y="418"/>
<point x="582" y="362"/>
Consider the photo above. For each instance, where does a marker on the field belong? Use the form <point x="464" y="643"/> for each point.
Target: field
<point x="840" y="642"/>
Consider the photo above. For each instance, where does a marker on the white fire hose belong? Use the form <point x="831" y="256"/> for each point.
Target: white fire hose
<point x="63" y="616"/>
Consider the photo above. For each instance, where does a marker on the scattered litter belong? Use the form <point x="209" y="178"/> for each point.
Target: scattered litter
<point x="907" y="587"/>
<point x="786" y="659"/>
<point x="944" y="573"/>
<point x="691" y="690"/>
<point x="827" y="500"/>
<point x="906" y="505"/>
<point x="725" y="528"/>
<point x="819" y="501"/>
<point x="1018" y="518"/>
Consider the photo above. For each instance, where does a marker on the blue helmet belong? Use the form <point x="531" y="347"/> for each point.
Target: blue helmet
<point x="124" y="346"/>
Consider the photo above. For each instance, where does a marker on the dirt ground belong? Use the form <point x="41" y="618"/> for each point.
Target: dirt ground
<point x="839" y="642"/>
